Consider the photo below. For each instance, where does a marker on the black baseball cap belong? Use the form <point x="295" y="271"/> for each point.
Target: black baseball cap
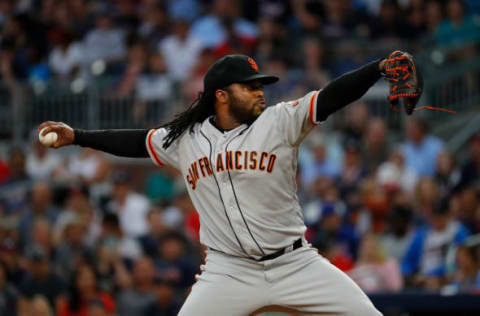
<point x="234" y="69"/>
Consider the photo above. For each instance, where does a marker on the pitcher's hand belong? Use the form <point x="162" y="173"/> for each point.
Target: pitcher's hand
<point x="64" y="132"/>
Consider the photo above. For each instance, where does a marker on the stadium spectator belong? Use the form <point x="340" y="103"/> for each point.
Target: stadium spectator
<point x="88" y="167"/>
<point x="40" y="306"/>
<point x="447" y="175"/>
<point x="137" y="57"/>
<point x="420" y="148"/>
<point x="393" y="175"/>
<point x="154" y="89"/>
<point x="41" y="239"/>
<point x="8" y="294"/>
<point x="356" y="122"/>
<point x="11" y="256"/>
<point x="166" y="304"/>
<point x="467" y="208"/>
<point x="374" y="144"/>
<point x="97" y="308"/>
<point x="174" y="265"/>
<point x="181" y="50"/>
<point x="323" y="192"/>
<point x="16" y="165"/>
<point x="426" y="254"/>
<point x="399" y="233"/>
<point x="4" y="171"/>
<point x="459" y="27"/>
<point x="212" y="30"/>
<point x="467" y="278"/>
<point x="16" y="187"/>
<point x="313" y="63"/>
<point x="433" y="17"/>
<point x="353" y="169"/>
<point x="71" y="251"/>
<point x="137" y="292"/>
<point x="374" y="272"/>
<point x="83" y="290"/>
<point x="271" y="38"/>
<point x="340" y="20"/>
<point x="41" y="207"/>
<point x="426" y="199"/>
<point x="130" y="207"/>
<point x="334" y="238"/>
<point x="40" y="278"/>
<point x="78" y="207"/>
<point x="470" y="173"/>
<point x="323" y="162"/>
<point x="156" y="230"/>
<point x="154" y="24"/>
<point x="42" y="164"/>
<point x="114" y="243"/>
<point x="105" y="42"/>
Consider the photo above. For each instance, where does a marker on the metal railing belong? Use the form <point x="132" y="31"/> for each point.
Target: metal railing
<point x="25" y="105"/>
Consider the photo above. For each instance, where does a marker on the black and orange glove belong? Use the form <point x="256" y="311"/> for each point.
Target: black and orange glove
<point x="406" y="82"/>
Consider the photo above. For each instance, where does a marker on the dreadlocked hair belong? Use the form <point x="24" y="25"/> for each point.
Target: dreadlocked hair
<point x="201" y="108"/>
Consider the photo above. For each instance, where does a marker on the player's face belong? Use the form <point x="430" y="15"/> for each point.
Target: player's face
<point x="247" y="101"/>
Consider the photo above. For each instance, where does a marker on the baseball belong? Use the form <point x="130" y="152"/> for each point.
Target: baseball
<point x="48" y="139"/>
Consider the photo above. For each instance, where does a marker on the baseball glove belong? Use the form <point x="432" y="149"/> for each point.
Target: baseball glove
<point x="406" y="82"/>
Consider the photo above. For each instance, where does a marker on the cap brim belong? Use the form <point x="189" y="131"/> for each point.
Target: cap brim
<point x="264" y="79"/>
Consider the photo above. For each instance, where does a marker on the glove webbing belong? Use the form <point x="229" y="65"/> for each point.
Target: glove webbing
<point x="404" y="69"/>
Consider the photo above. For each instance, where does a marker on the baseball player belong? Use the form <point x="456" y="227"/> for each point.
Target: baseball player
<point x="238" y="159"/>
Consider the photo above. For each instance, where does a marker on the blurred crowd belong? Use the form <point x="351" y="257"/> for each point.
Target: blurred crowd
<point x="158" y="49"/>
<point x="82" y="234"/>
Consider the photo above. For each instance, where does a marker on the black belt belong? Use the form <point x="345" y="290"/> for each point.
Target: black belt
<point x="297" y="244"/>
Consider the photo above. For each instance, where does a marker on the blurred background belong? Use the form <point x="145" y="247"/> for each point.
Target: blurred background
<point x="392" y="201"/>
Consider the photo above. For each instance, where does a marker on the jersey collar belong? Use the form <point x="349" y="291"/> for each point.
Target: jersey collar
<point x="211" y="129"/>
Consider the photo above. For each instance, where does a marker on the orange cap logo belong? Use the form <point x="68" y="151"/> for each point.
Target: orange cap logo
<point x="253" y="64"/>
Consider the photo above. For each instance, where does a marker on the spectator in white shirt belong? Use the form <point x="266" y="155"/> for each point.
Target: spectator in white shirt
<point x="131" y="207"/>
<point x="105" y="42"/>
<point x="65" y="59"/>
<point x="180" y="50"/>
<point x="41" y="163"/>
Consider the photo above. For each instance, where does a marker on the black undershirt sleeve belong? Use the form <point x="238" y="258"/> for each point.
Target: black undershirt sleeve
<point x="119" y="142"/>
<point x="346" y="89"/>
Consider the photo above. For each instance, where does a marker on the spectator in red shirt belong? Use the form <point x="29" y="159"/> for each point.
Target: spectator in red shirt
<point x="83" y="291"/>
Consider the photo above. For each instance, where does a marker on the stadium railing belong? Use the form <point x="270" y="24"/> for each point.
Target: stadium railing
<point x="93" y="104"/>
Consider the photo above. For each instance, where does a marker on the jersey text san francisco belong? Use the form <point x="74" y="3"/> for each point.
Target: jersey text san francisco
<point x="231" y="160"/>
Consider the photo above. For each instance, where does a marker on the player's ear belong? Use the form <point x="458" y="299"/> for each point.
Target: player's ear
<point x="222" y="96"/>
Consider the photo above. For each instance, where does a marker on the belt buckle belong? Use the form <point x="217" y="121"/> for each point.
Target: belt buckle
<point x="289" y="248"/>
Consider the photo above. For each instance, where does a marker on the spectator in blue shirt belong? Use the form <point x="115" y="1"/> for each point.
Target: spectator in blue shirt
<point x="421" y="149"/>
<point x="426" y="254"/>
<point x="459" y="28"/>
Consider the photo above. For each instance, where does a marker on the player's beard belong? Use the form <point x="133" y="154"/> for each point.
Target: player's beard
<point x="243" y="111"/>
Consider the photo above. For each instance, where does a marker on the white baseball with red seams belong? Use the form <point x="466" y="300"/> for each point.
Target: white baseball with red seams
<point x="242" y="183"/>
<point x="47" y="140"/>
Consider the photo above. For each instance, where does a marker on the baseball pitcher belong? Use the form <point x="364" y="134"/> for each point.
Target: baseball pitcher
<point x="238" y="159"/>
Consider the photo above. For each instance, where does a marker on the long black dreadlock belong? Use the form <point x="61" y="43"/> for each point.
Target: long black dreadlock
<point x="198" y="111"/>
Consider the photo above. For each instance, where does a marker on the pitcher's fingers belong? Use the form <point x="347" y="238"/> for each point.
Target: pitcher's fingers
<point x="44" y="124"/>
<point x="46" y="130"/>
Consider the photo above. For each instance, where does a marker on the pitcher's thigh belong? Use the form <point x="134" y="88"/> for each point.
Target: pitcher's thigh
<point x="218" y="294"/>
<point x="320" y="288"/>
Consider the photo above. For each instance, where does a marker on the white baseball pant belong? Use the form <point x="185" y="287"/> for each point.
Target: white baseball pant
<point x="300" y="282"/>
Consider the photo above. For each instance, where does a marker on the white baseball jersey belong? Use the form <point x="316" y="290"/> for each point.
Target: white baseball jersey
<point x="242" y="182"/>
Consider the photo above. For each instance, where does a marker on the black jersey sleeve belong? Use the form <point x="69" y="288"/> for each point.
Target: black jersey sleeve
<point x="345" y="89"/>
<point x="119" y="142"/>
